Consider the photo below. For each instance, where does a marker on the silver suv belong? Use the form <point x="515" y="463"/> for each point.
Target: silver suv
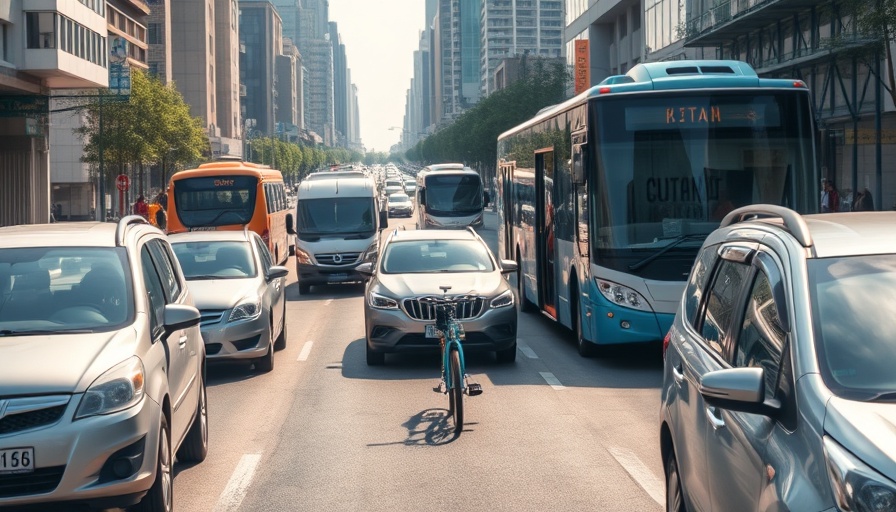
<point x="102" y="367"/>
<point x="779" y="389"/>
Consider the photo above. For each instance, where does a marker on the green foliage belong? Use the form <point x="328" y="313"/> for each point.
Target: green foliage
<point x="472" y="138"/>
<point x="296" y="160"/>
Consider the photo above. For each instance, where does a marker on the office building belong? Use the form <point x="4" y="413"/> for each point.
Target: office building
<point x="260" y="33"/>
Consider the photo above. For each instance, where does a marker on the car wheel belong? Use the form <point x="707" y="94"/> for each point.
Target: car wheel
<point x="304" y="288"/>
<point x="280" y="344"/>
<point x="375" y="358"/>
<point x="160" y="497"/>
<point x="507" y="355"/>
<point x="195" y="445"/>
<point x="674" y="492"/>
<point x="265" y="363"/>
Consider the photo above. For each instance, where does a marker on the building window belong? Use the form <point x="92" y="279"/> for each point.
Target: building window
<point x="41" y="27"/>
<point x="3" y="51"/>
<point x="154" y="35"/>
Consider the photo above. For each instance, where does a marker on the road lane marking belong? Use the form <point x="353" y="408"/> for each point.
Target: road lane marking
<point x="239" y="482"/>
<point x="640" y="473"/>
<point x="327" y="303"/>
<point x="553" y="381"/>
<point x="528" y="352"/>
<point x="306" y="350"/>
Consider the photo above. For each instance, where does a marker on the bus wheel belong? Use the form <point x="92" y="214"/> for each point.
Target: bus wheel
<point x="304" y="288"/>
<point x="586" y="348"/>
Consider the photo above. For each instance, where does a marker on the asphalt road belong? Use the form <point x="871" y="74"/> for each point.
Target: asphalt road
<point x="324" y="431"/>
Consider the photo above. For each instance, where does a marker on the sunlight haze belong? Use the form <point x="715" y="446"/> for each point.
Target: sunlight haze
<point x="380" y="38"/>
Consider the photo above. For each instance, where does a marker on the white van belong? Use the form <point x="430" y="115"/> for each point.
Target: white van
<point x="338" y="221"/>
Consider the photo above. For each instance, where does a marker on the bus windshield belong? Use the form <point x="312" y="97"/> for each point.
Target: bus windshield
<point x="344" y="215"/>
<point x="447" y="195"/>
<point x="215" y="200"/>
<point x="670" y="167"/>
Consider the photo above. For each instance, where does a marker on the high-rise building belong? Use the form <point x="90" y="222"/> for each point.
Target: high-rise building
<point x="513" y="28"/>
<point x="260" y="33"/>
<point x="227" y="85"/>
<point x="158" y="39"/>
<point x="459" y="44"/>
<point x="314" y="43"/>
<point x="340" y="87"/>
<point x="289" y="88"/>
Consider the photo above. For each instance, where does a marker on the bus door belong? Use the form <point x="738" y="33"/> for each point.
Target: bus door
<point x="505" y="183"/>
<point x="544" y="212"/>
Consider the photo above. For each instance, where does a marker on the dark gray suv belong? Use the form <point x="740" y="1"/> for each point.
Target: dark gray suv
<point x="779" y="389"/>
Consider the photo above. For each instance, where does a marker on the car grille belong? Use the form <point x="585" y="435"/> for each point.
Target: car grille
<point x="463" y="308"/>
<point x="41" y="480"/>
<point x="210" y="316"/>
<point x="338" y="258"/>
<point x="27" y="413"/>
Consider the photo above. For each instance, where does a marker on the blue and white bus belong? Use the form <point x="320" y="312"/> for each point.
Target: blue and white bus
<point x="606" y="198"/>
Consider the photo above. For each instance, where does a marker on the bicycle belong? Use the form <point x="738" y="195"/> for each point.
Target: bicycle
<point x="454" y="381"/>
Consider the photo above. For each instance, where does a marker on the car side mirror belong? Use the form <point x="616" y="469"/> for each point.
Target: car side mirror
<point x="738" y="389"/>
<point x="421" y="196"/>
<point x="365" y="269"/>
<point x="276" y="272"/>
<point x="178" y="316"/>
<point x="290" y="228"/>
<point x="384" y="219"/>
<point x="486" y="198"/>
<point x="508" y="266"/>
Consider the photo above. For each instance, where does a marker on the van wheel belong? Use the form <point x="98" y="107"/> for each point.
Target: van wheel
<point x="304" y="289"/>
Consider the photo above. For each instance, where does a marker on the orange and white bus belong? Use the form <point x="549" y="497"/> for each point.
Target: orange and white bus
<point x="230" y="195"/>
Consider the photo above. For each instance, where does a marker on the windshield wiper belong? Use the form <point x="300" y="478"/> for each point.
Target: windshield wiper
<point x="678" y="240"/>
<point x="887" y="396"/>
<point x="205" y="277"/>
<point x="12" y="332"/>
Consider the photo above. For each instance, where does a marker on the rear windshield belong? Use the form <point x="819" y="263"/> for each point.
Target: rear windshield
<point x="854" y="316"/>
<point x="215" y="201"/>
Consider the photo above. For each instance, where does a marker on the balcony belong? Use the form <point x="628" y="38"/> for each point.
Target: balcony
<point x="734" y="18"/>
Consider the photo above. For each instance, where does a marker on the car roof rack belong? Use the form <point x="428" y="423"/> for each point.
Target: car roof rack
<point x="793" y="221"/>
<point x="124" y="223"/>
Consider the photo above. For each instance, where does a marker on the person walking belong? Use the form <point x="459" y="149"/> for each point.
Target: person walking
<point x="863" y="202"/>
<point x="830" y="199"/>
<point x="141" y="208"/>
<point x="161" y="213"/>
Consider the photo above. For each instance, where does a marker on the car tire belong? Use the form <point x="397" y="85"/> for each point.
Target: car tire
<point x="507" y="355"/>
<point x="375" y="358"/>
<point x="674" y="489"/>
<point x="160" y="497"/>
<point x="195" y="445"/>
<point x="280" y="344"/>
<point x="265" y="363"/>
<point x="304" y="288"/>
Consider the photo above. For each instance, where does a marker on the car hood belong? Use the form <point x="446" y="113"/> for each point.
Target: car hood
<point x="222" y="293"/>
<point x="414" y="285"/>
<point x="866" y="429"/>
<point x="60" y="363"/>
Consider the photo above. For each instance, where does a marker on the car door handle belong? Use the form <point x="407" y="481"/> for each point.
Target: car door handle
<point x="677" y="374"/>
<point x="714" y="420"/>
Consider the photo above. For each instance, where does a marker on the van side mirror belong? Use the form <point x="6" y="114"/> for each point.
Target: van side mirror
<point x="421" y="196"/>
<point x="290" y="228"/>
<point x="486" y="198"/>
<point x="384" y="219"/>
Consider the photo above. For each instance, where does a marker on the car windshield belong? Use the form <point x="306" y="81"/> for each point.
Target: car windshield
<point x="854" y="313"/>
<point x="425" y="256"/>
<point x="63" y="289"/>
<point x="398" y="198"/>
<point x="215" y="259"/>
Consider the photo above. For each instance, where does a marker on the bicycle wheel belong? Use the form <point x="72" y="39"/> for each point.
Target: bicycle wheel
<point x="456" y="393"/>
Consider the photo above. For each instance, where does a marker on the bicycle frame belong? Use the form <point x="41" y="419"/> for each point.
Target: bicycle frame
<point x="448" y="340"/>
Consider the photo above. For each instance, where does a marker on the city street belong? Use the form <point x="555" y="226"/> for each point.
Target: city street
<point x="324" y="431"/>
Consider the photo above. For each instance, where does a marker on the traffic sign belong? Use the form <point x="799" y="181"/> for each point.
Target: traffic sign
<point x="122" y="182"/>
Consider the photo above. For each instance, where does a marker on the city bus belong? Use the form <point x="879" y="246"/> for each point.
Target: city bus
<point x="231" y="195"/>
<point x="605" y="199"/>
<point x="449" y="196"/>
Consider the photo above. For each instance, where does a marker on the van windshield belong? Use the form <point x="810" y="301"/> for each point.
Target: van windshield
<point x="336" y="216"/>
<point x="215" y="200"/>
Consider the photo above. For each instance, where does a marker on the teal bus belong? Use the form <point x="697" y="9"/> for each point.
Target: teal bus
<point x="605" y="199"/>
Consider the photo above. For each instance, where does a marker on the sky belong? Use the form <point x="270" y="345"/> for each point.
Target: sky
<point x="380" y="37"/>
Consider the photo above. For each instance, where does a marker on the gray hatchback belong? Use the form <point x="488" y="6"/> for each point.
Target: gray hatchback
<point x="779" y="389"/>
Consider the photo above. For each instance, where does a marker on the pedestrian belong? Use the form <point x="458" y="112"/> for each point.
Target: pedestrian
<point x="863" y="202"/>
<point x="830" y="199"/>
<point x="161" y="215"/>
<point x="141" y="208"/>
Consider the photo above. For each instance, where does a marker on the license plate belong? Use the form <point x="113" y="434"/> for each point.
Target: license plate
<point x="337" y="277"/>
<point x="17" y="460"/>
<point x="431" y="331"/>
<point x="203" y="228"/>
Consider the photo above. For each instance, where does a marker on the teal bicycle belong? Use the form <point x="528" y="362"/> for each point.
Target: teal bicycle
<point x="454" y="381"/>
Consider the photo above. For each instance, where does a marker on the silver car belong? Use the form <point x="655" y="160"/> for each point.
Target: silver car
<point x="239" y="291"/>
<point x="102" y="367"/>
<point x="779" y="389"/>
<point x="424" y="263"/>
<point x="400" y="205"/>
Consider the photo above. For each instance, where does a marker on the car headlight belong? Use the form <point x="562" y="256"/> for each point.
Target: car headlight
<point x="247" y="310"/>
<point x="503" y="300"/>
<point x="622" y="295"/>
<point x="377" y="301"/>
<point x="856" y="486"/>
<point x="119" y="388"/>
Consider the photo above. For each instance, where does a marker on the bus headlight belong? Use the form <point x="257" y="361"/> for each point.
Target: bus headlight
<point x="622" y="295"/>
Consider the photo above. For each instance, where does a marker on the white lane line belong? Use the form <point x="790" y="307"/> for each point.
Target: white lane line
<point x="306" y="350"/>
<point x="640" y="473"/>
<point x="238" y="485"/>
<point x="528" y="352"/>
<point x="553" y="381"/>
<point x="328" y="302"/>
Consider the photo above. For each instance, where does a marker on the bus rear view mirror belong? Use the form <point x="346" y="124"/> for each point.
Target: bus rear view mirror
<point x="290" y="228"/>
<point x="421" y="196"/>
<point x="384" y="219"/>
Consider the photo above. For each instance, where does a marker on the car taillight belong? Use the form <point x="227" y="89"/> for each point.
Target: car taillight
<point x="666" y="341"/>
